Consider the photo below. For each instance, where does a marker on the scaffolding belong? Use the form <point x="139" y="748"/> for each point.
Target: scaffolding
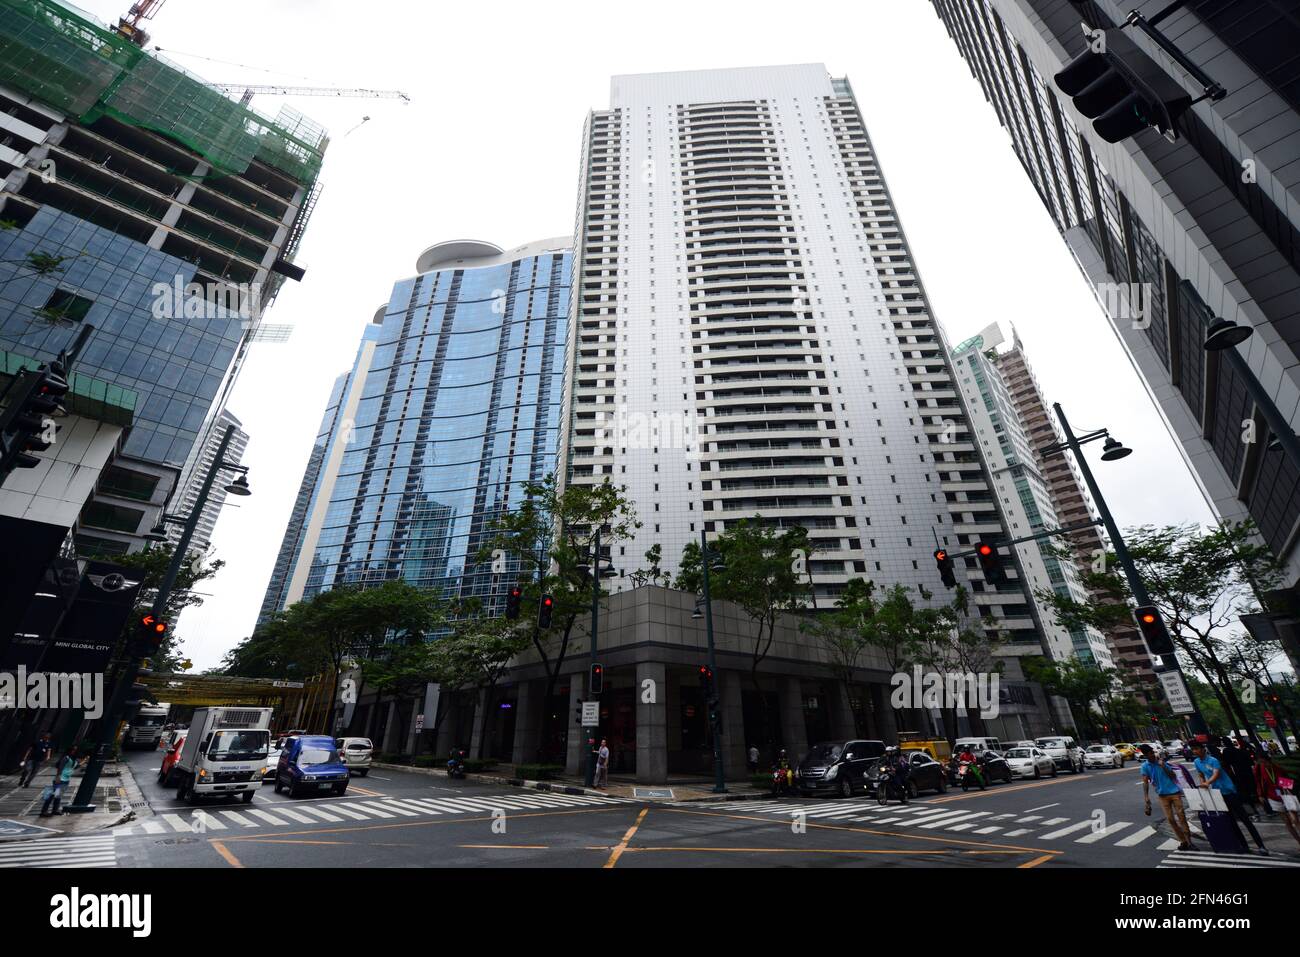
<point x="60" y="56"/>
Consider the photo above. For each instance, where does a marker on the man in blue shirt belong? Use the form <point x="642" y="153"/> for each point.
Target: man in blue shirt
<point x="1155" y="772"/>
<point x="1214" y="776"/>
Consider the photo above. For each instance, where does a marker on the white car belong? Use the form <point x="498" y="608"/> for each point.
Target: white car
<point x="1031" y="762"/>
<point x="356" y="753"/>
<point x="1102" y="756"/>
<point x="272" y="762"/>
<point x="1064" y="750"/>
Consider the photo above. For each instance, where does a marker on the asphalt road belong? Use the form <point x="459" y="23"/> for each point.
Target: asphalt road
<point x="405" y="819"/>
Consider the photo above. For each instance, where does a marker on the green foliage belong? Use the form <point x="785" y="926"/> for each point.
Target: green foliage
<point x="480" y="765"/>
<point x="538" y="772"/>
<point x="652" y="574"/>
<point x="151" y="567"/>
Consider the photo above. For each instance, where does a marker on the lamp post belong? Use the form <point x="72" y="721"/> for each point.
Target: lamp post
<point x="1113" y="450"/>
<point x="596" y="573"/>
<point x="707" y="557"/>
<point x="107" y="729"/>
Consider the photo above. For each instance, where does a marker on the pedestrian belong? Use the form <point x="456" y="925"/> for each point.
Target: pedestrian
<point x="1238" y="759"/>
<point x="602" y="764"/>
<point x="1274" y="787"/>
<point x="752" y="756"/>
<point x="1155" y="771"/>
<point x="1214" y="776"/>
<point x="62" y="775"/>
<point x="34" y="758"/>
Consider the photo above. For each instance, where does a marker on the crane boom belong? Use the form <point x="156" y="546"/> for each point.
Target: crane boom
<point x="247" y="92"/>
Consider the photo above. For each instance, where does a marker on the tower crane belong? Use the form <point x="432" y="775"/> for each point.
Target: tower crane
<point x="129" y="25"/>
<point x="249" y="91"/>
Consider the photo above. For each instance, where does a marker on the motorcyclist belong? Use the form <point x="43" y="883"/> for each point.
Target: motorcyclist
<point x="897" y="762"/>
<point x="968" y="760"/>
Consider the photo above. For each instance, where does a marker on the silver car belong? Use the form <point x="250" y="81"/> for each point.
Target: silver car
<point x="1030" y="762"/>
<point x="356" y="753"/>
<point x="1103" y="756"/>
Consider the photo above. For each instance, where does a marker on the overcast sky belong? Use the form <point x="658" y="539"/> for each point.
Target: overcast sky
<point x="488" y="149"/>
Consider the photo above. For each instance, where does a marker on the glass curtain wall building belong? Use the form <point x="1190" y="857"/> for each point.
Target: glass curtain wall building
<point x="1176" y="234"/>
<point x="452" y="404"/>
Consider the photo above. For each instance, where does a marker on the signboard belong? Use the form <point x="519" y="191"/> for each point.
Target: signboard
<point x="1180" y="702"/>
<point x="653" y="793"/>
<point x="590" y="714"/>
<point x="11" y="830"/>
<point x="1270" y="719"/>
<point x="419" y="723"/>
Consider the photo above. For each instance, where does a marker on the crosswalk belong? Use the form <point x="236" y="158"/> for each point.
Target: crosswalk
<point x="296" y="813"/>
<point x="926" y="818"/>
<point x="90" y="850"/>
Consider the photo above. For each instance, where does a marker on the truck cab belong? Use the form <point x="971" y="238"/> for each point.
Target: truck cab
<point x="224" y="754"/>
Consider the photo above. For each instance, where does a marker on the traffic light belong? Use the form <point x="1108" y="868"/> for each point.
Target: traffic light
<point x="25" y="426"/>
<point x="596" y="682"/>
<point x="150" y="633"/>
<point x="1114" y="84"/>
<point x="987" y="553"/>
<point x="545" y="608"/>
<point x="1152" y="625"/>
<point x="514" y="598"/>
<point x="945" y="567"/>
<point x="707" y="684"/>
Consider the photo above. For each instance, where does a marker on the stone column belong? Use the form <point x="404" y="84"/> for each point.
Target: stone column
<point x="575" y="759"/>
<point x="794" y="729"/>
<point x="841" y="711"/>
<point x="731" y="686"/>
<point x="651" y="724"/>
<point x="480" y="703"/>
<point x="886" y="725"/>
<point x="528" y="721"/>
<point x="392" y="734"/>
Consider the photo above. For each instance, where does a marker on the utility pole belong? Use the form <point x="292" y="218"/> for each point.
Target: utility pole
<point x="719" y="773"/>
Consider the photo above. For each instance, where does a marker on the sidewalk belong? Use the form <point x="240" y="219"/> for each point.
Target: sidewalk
<point x="117" y="799"/>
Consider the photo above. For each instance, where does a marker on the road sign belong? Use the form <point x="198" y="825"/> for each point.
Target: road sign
<point x="1180" y="702"/>
<point x="12" y="830"/>
<point x="419" y="723"/>
<point x="590" y="714"/>
<point x="1270" y="719"/>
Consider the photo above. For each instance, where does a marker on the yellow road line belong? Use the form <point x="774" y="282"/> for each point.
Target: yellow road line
<point x="229" y="858"/>
<point x="618" y="851"/>
<point x="1036" y="861"/>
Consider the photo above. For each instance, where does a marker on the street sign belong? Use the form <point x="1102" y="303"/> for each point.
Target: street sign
<point x="653" y="793"/>
<point x="1180" y="702"/>
<point x="419" y="723"/>
<point x="1270" y="719"/>
<point x="590" y="714"/>
<point x="12" y="830"/>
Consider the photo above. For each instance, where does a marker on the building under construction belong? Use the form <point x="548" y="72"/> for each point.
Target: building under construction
<point x="148" y="204"/>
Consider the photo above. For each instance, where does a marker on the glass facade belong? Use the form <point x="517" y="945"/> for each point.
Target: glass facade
<point x="176" y="365"/>
<point x="459" y="405"/>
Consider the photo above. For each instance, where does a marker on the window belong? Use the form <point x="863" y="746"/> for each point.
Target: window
<point x="64" y="306"/>
<point x="124" y="483"/>
<point x="115" y="518"/>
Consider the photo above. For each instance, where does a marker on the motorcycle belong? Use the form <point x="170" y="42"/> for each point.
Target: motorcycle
<point x="782" y="781"/>
<point x="456" y="765"/>
<point x="886" y="780"/>
<point x="970" y="775"/>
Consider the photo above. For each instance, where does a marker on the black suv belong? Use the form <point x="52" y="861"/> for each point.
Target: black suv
<point x="837" y="767"/>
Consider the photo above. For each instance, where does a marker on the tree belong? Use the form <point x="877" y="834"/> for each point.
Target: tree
<point x="760" y="576"/>
<point x="653" y="574"/>
<point x="151" y="567"/>
<point x="549" y="539"/>
<point x="950" y="638"/>
<point x="841" y="632"/>
<point x="1082" y="685"/>
<point x="1202" y="580"/>
<point x="479" y="652"/>
<point x="407" y="668"/>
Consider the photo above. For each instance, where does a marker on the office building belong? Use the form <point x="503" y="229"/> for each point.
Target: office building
<point x="196" y="472"/>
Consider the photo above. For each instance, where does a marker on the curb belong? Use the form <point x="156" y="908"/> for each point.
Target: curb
<point x="566" y="788"/>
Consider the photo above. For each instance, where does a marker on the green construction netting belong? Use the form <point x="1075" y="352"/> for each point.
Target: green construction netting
<point x="60" y="57"/>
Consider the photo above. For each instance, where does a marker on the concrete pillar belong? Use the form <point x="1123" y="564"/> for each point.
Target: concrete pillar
<point x="480" y="703"/>
<point x="841" y="711"/>
<point x="392" y="734"/>
<point x="651" y="724"/>
<point x="794" y="729"/>
<point x="528" y="720"/>
<point x="731" y="686"/>
<point x="576" y="752"/>
<point x="673" y="714"/>
<point x="886" y="725"/>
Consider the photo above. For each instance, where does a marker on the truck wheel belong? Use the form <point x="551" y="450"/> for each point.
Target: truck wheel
<point x="247" y="797"/>
<point x="190" y="797"/>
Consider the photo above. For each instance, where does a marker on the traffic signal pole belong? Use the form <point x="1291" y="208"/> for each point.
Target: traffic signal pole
<point x="107" y="729"/>
<point x="595" y="617"/>
<point x="1135" y="583"/>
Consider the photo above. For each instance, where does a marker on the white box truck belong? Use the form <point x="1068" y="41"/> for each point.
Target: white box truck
<point x="145" y="729"/>
<point x="224" y="754"/>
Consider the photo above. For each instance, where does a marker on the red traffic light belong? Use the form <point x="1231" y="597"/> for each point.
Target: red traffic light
<point x="940" y="554"/>
<point x="548" y="601"/>
<point x="1148" y="618"/>
<point x="984" y="549"/>
<point x="150" y="623"/>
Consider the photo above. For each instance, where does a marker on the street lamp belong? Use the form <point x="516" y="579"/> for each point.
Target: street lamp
<point x="593" y="570"/>
<point x="1224" y="334"/>
<point x="1113" y="450"/>
<point x="112" y="714"/>
<point x="711" y="558"/>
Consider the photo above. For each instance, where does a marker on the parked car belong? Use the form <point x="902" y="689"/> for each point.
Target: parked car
<point x="837" y="767"/>
<point x="924" y="774"/>
<point x="1063" y="750"/>
<point x="166" y="773"/>
<point x="1017" y="744"/>
<point x="272" y="764"/>
<point x="1130" y="751"/>
<point x="356" y="753"/>
<point x="310" y="764"/>
<point x="1103" y="756"/>
<point x="1177" y="749"/>
<point x="976" y="745"/>
<point x="1032" y="762"/>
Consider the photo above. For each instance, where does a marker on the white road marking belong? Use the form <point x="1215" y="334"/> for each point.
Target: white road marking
<point x="1043" y="808"/>
<point x="1137" y="837"/>
<point x="1104" y="832"/>
<point x="1053" y="835"/>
